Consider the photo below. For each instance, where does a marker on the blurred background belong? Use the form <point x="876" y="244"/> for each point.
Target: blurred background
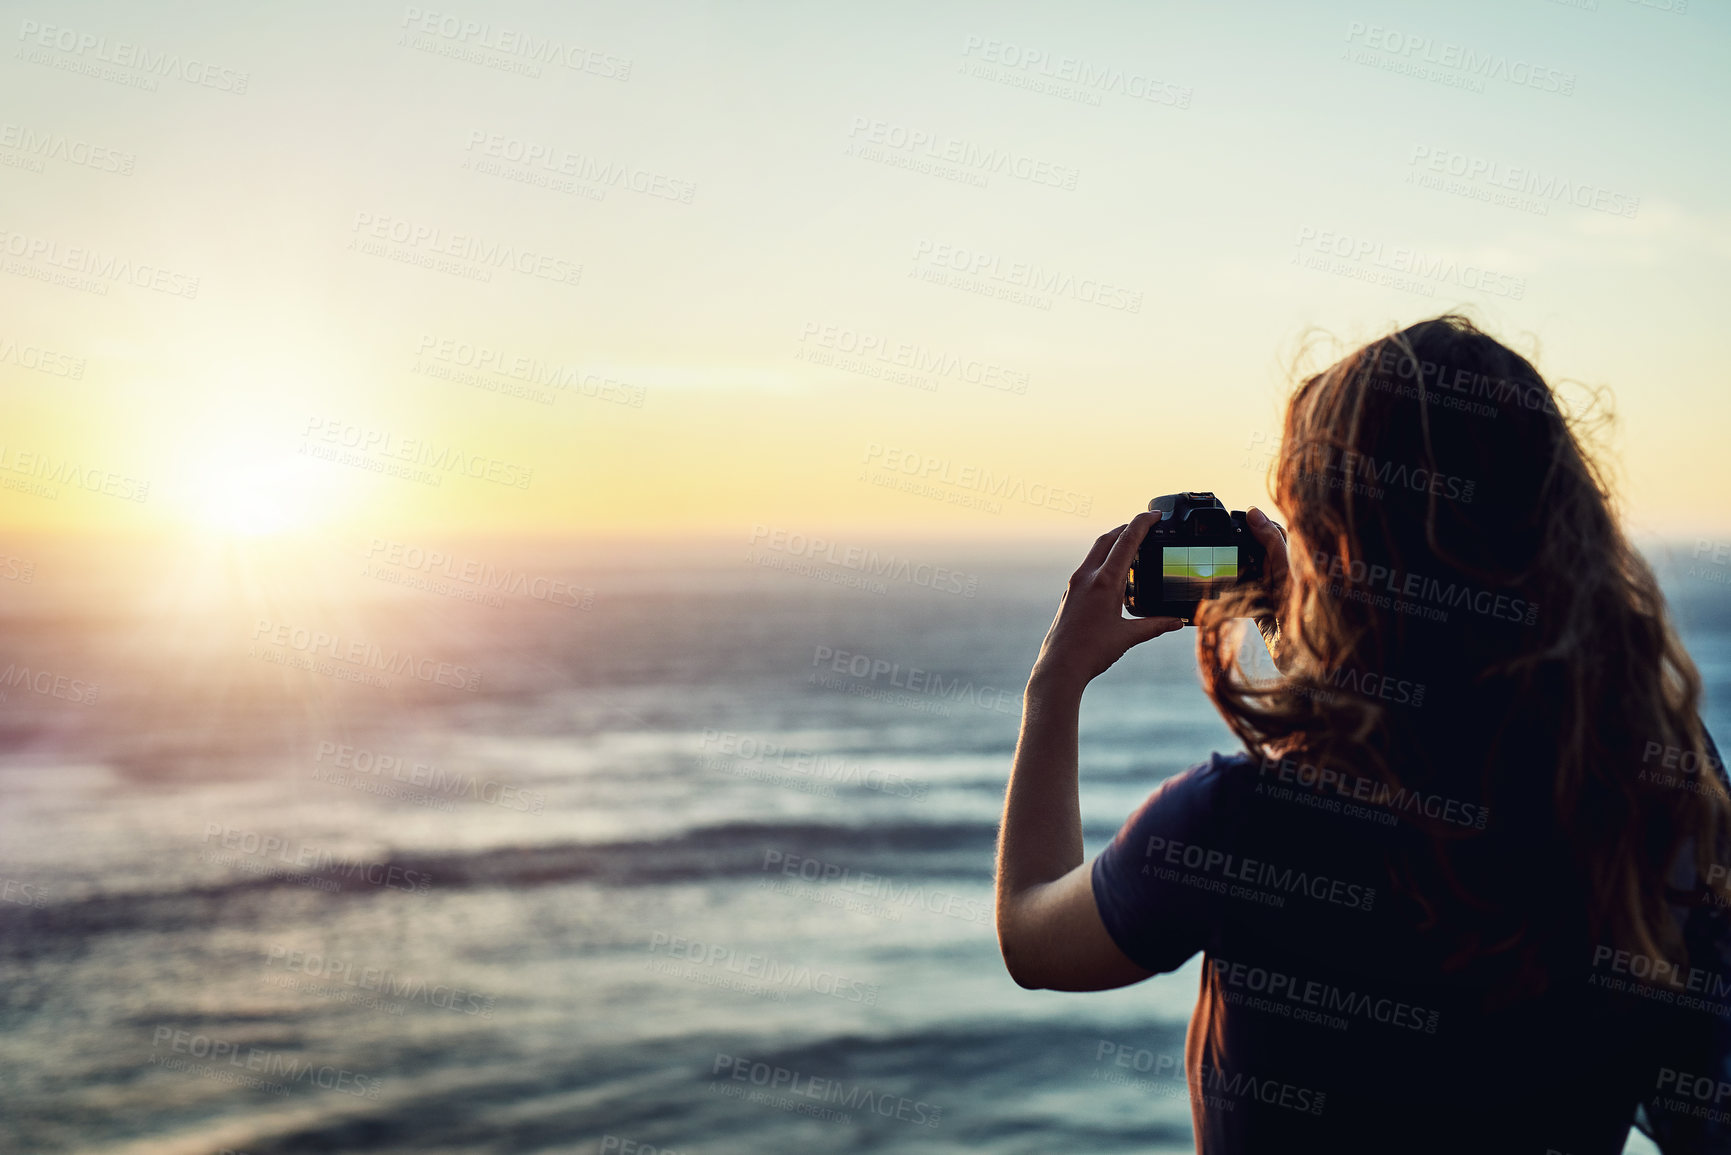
<point x="525" y="525"/>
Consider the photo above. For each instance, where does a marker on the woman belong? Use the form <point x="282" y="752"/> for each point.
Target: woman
<point x="1464" y="888"/>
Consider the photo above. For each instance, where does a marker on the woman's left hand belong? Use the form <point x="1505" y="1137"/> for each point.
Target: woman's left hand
<point x="1090" y="631"/>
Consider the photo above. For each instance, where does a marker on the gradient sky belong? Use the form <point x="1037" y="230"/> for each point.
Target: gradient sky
<point x="701" y="311"/>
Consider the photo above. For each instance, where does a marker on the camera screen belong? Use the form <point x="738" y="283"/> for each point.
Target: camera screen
<point x="1193" y="573"/>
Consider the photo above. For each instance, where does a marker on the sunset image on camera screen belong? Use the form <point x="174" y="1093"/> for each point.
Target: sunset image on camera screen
<point x="1190" y="573"/>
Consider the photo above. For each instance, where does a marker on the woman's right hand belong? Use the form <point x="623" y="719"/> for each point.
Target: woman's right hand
<point x="1272" y="538"/>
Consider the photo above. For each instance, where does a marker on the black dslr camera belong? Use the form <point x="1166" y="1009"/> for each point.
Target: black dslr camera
<point x="1197" y="551"/>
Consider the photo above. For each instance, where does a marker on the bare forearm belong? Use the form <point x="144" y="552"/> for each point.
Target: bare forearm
<point x="1049" y="928"/>
<point x="1041" y="836"/>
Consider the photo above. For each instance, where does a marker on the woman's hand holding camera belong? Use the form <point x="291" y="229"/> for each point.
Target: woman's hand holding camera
<point x="1090" y="631"/>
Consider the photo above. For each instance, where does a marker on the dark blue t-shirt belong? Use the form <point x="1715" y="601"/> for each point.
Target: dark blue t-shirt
<point x="1329" y="1020"/>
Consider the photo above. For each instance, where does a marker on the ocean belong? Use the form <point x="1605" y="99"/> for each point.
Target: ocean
<point x="355" y="845"/>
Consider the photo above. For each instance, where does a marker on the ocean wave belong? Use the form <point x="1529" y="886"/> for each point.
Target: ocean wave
<point x="688" y="1093"/>
<point x="923" y="850"/>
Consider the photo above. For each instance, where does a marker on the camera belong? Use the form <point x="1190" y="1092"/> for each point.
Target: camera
<point x="1198" y="550"/>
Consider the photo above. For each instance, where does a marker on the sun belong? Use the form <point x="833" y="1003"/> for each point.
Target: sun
<point x="256" y="499"/>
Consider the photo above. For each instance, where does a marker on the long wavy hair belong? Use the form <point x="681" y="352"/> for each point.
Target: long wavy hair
<point x="1451" y="538"/>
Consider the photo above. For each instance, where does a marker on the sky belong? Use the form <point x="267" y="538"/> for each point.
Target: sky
<point x="980" y="271"/>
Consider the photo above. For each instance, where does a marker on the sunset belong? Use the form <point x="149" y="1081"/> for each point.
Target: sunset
<point x="553" y="511"/>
